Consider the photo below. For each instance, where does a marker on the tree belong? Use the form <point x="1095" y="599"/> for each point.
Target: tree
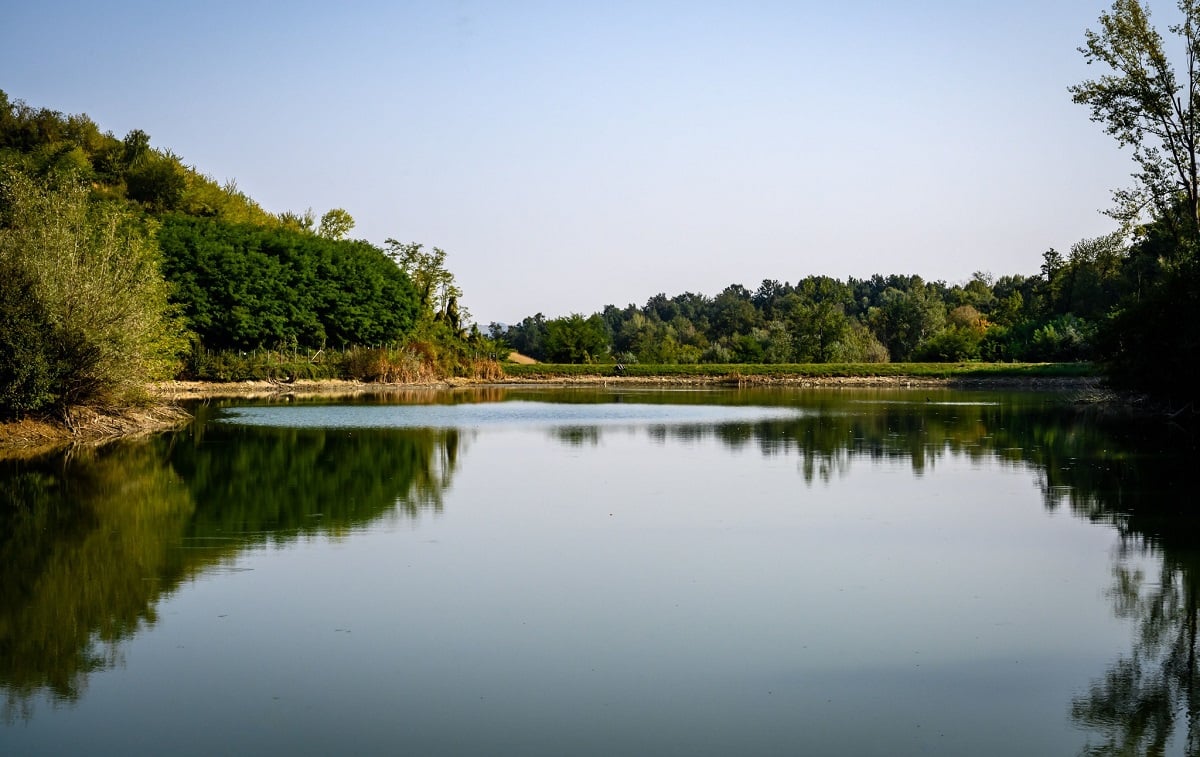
<point x="436" y="288"/>
<point x="575" y="339"/>
<point x="336" y="224"/>
<point x="733" y="313"/>
<point x="1150" y="107"/>
<point x="297" y="221"/>
<point x="241" y="286"/>
<point x="529" y="336"/>
<point x="905" y="319"/>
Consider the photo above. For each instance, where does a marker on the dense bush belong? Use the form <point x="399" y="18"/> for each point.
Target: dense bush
<point x="84" y="278"/>
<point x="245" y="287"/>
<point x="28" y="366"/>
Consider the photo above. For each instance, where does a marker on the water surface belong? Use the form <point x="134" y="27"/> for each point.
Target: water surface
<point x="598" y="572"/>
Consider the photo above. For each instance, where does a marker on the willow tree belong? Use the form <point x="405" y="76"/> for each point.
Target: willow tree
<point x="1152" y="106"/>
<point x="84" y="292"/>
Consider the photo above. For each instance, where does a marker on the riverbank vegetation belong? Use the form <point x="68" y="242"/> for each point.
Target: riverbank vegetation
<point x="119" y="265"/>
<point x="817" y="372"/>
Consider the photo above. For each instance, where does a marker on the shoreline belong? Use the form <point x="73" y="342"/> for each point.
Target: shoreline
<point x="173" y="391"/>
<point x="32" y="437"/>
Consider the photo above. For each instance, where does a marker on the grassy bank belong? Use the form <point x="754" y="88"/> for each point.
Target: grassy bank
<point x="813" y="371"/>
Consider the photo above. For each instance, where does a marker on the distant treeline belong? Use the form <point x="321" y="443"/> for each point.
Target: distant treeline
<point x="1054" y="316"/>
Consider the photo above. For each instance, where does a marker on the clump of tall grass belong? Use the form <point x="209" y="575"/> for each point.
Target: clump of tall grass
<point x="389" y="365"/>
<point x="202" y="364"/>
<point x="485" y="369"/>
<point x="417" y="362"/>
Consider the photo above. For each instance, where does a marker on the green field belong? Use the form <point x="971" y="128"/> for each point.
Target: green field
<point x="814" y="370"/>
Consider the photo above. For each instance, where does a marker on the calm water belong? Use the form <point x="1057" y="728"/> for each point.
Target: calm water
<point x="594" y="572"/>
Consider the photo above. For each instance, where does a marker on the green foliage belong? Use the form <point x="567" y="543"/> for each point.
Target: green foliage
<point x="575" y="339"/>
<point x="1146" y="296"/>
<point x="906" y="318"/>
<point x="91" y="280"/>
<point x="158" y="182"/>
<point x="1153" y="343"/>
<point x="46" y="143"/>
<point x="244" y="280"/>
<point x="437" y="292"/>
<point x="335" y="224"/>
<point x="245" y="287"/>
<point x="203" y="364"/>
<point x="857" y="344"/>
<point x="1062" y="339"/>
<point x="1149" y="105"/>
<point x="740" y="371"/>
<point x="951" y="345"/>
<point x="817" y="320"/>
<point x="28" y="366"/>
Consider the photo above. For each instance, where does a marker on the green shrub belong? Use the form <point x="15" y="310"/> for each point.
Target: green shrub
<point x="27" y="366"/>
<point x="89" y="281"/>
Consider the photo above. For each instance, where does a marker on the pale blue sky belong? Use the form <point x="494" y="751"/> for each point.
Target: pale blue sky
<point x="571" y="155"/>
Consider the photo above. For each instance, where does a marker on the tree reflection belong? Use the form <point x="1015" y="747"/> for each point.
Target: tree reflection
<point x="91" y="541"/>
<point x="1140" y="483"/>
<point x="1132" y="474"/>
<point x="275" y="484"/>
<point x="84" y="558"/>
<point x="914" y="429"/>
<point x="1138" y="703"/>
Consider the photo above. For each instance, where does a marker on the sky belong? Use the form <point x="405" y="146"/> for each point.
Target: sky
<point x="570" y="155"/>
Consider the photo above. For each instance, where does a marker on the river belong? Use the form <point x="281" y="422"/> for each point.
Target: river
<point x="595" y="571"/>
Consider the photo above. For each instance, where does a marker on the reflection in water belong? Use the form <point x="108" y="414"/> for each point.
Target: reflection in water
<point x="1132" y="475"/>
<point x="1145" y="491"/>
<point x="274" y="484"/>
<point x="1139" y="702"/>
<point x="91" y="542"/>
<point x="83" y="561"/>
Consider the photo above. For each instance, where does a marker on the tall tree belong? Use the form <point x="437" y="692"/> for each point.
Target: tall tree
<point x="1148" y="104"/>
<point x="435" y="284"/>
<point x="1150" y="107"/>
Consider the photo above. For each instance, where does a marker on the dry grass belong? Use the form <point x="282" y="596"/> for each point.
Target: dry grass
<point x="411" y="365"/>
<point x="486" y="370"/>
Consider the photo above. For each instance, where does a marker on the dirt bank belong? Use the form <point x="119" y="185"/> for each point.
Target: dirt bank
<point x="173" y="391"/>
<point x="30" y="437"/>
